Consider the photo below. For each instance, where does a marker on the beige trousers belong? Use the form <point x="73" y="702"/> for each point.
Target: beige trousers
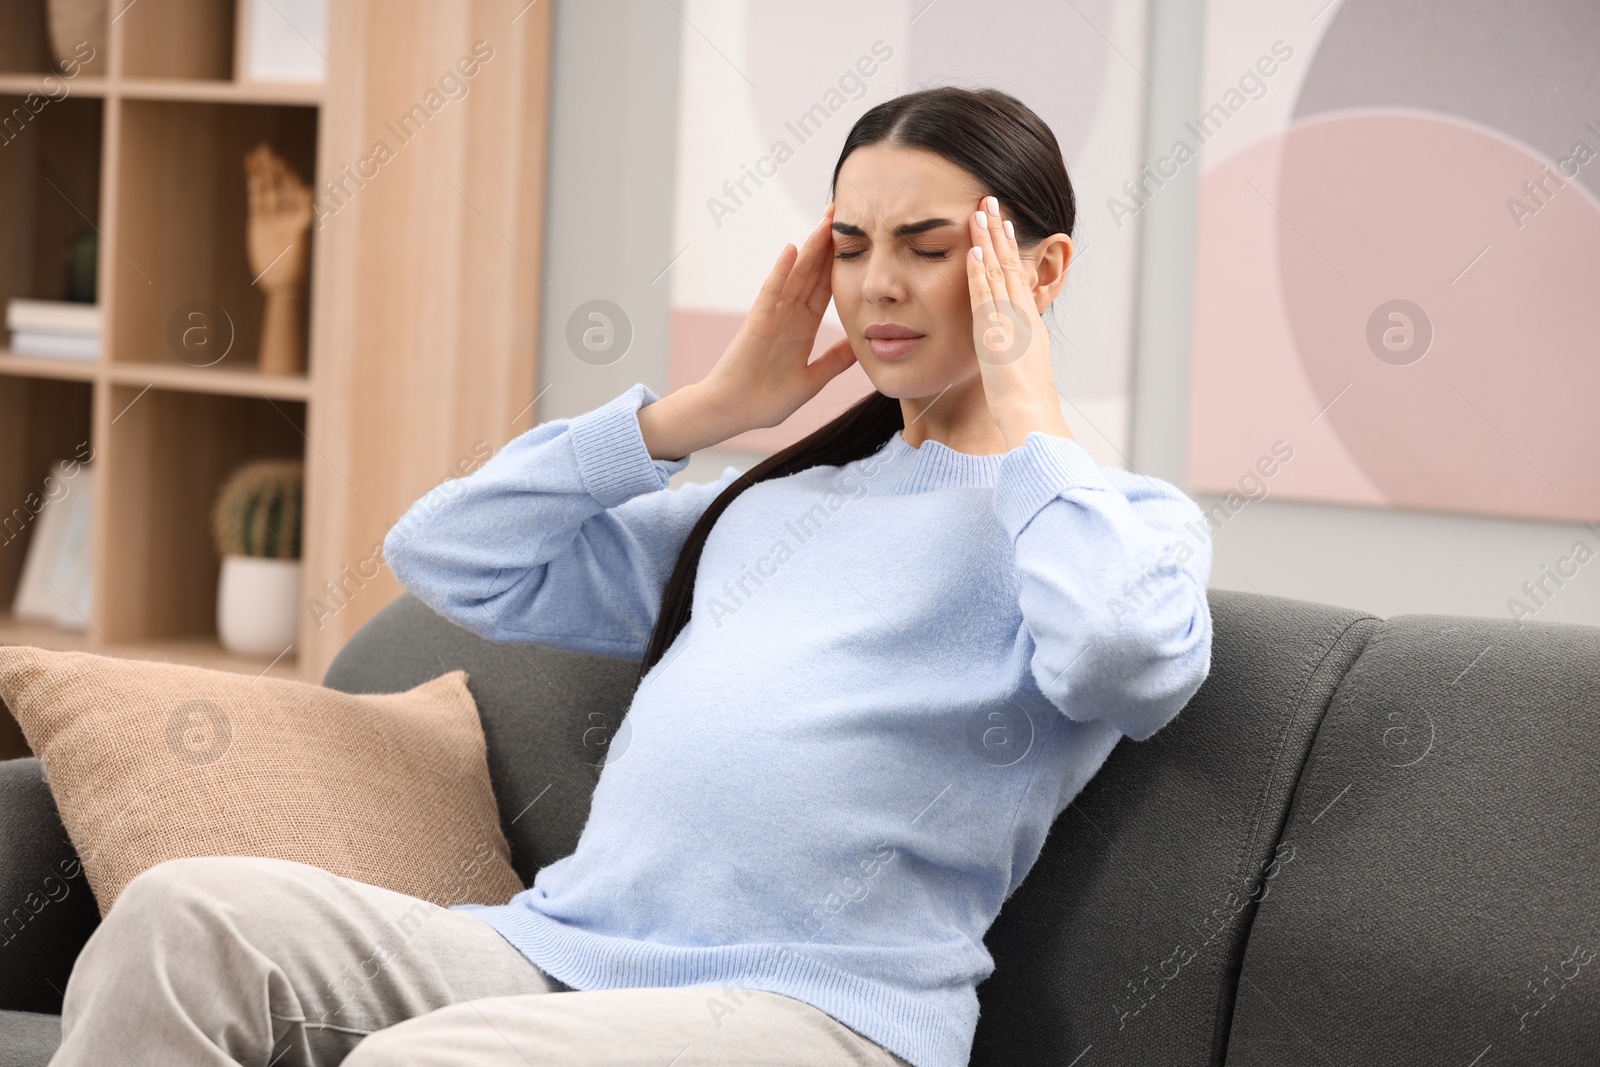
<point x="269" y="963"/>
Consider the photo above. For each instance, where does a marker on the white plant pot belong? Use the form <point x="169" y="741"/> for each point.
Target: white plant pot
<point x="257" y="601"/>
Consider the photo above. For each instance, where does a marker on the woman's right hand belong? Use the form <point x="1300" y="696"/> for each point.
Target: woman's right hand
<point x="763" y="376"/>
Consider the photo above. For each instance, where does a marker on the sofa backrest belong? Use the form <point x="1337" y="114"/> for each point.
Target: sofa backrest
<point x="1126" y="936"/>
<point x="1441" y="905"/>
<point x="1155" y="869"/>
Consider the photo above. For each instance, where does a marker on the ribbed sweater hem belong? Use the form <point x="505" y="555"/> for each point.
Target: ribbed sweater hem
<point x="899" y="1021"/>
<point x="1042" y="468"/>
<point x="612" y="458"/>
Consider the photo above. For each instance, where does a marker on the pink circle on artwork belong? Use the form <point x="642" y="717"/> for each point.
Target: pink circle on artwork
<point x="1409" y="219"/>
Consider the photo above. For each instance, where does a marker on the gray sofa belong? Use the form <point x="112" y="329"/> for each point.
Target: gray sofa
<point x="1364" y="841"/>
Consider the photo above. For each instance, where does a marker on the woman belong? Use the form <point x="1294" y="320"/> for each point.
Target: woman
<point x="873" y="671"/>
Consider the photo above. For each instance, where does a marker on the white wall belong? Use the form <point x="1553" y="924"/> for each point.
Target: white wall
<point x="614" y="116"/>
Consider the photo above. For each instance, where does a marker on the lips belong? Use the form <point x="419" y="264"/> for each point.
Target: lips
<point x="890" y="340"/>
<point x="890" y="331"/>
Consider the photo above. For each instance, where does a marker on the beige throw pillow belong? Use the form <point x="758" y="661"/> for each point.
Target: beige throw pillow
<point x="153" y="761"/>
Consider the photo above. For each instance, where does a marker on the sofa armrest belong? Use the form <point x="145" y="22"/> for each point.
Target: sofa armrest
<point x="47" y="910"/>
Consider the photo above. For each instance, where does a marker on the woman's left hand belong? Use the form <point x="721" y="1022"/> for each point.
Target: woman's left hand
<point x="1012" y="343"/>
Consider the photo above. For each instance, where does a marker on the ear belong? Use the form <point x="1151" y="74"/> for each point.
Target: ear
<point x="1049" y="261"/>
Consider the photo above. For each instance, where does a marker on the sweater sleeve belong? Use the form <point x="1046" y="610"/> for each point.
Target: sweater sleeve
<point x="1112" y="570"/>
<point x="566" y="537"/>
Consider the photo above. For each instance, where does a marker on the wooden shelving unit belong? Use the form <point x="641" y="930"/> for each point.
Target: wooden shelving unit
<point x="150" y="157"/>
<point x="424" y="306"/>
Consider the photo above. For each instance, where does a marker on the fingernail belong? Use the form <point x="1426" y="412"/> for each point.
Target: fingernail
<point x="977" y="253"/>
<point x="1009" y="231"/>
<point x="983" y="220"/>
<point x="993" y="205"/>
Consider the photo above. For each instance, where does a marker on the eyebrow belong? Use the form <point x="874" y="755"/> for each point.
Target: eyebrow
<point x="909" y="229"/>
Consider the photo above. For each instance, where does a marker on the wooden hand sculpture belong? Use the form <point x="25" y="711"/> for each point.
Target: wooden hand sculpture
<point x="279" y="247"/>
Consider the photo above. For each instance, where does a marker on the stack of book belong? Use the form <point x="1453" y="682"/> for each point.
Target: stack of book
<point x="58" y="329"/>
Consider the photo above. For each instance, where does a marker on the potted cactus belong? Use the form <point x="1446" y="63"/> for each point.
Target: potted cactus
<point x="256" y="525"/>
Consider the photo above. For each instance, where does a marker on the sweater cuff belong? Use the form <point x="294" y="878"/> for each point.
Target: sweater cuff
<point x="613" y="460"/>
<point x="1041" y="469"/>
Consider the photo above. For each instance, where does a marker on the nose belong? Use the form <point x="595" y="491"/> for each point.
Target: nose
<point x="882" y="283"/>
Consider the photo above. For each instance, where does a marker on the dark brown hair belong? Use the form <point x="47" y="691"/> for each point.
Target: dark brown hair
<point x="1011" y="152"/>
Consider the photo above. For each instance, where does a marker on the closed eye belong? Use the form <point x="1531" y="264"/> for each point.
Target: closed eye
<point x="930" y="254"/>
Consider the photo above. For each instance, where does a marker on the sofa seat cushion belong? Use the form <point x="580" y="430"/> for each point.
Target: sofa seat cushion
<point x="28" y="1039"/>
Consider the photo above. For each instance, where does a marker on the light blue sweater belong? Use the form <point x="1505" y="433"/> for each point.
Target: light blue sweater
<point x="897" y="674"/>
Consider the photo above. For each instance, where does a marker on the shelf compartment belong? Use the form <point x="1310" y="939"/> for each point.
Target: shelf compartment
<point x="25" y="40"/>
<point x="42" y="420"/>
<point x="169" y="453"/>
<point x="49" y="194"/>
<point x="177" y="39"/>
<point x="182" y="217"/>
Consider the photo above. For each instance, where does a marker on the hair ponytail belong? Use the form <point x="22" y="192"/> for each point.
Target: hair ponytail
<point x="863" y="429"/>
